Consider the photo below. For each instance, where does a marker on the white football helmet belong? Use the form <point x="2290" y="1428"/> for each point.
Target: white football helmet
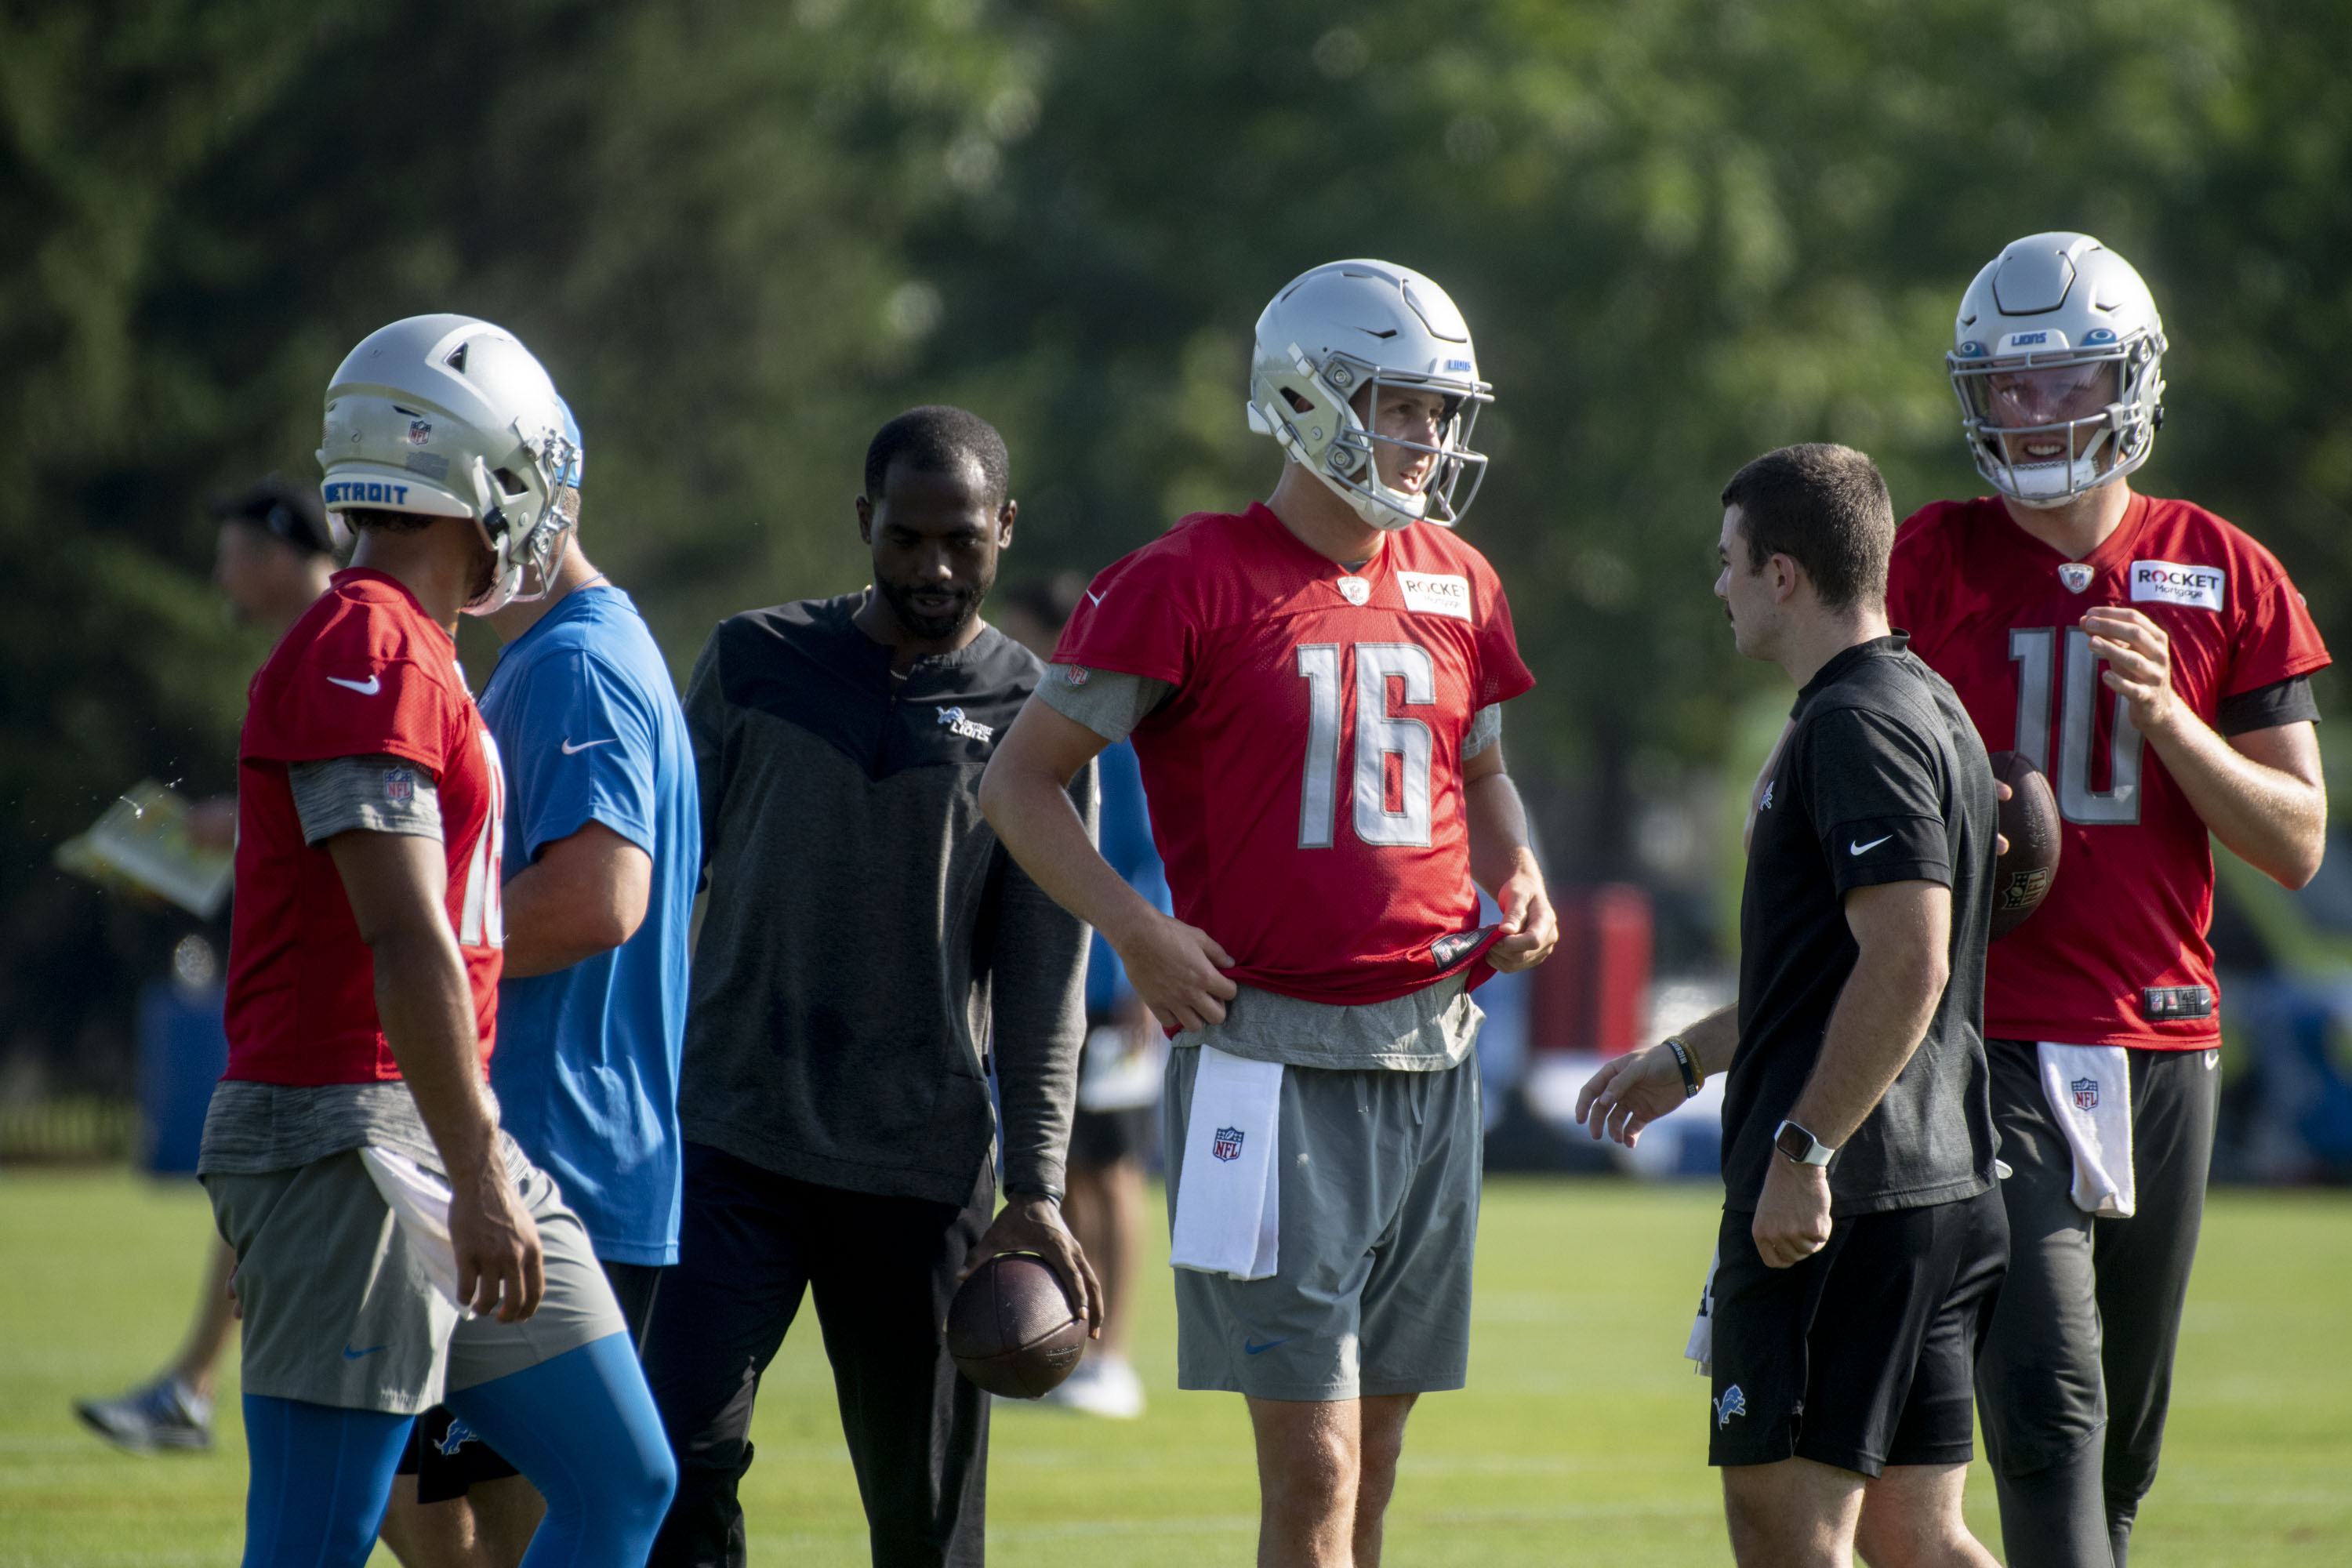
<point x="453" y="417"/>
<point x="1340" y="328"/>
<point x="2054" y="319"/>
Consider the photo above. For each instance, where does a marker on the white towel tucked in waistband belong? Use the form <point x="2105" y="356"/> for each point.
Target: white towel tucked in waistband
<point x="1228" y="1205"/>
<point x="420" y="1202"/>
<point x="2089" y="1090"/>
<point x="1701" y="1345"/>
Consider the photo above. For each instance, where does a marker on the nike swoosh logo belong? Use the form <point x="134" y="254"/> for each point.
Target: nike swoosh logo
<point x="351" y="1354"/>
<point x="367" y="688"/>
<point x="1249" y="1349"/>
<point x="1861" y="848"/>
<point x="1095" y="596"/>
<point x="571" y="751"/>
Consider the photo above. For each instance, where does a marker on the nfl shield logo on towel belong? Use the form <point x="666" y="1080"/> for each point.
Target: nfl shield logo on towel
<point x="2086" y="1093"/>
<point x="1228" y="1144"/>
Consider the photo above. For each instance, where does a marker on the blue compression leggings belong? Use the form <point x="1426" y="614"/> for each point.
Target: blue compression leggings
<point x="581" y="1427"/>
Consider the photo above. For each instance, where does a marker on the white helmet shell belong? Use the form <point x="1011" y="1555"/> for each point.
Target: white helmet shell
<point x="2059" y="302"/>
<point x="450" y="417"/>
<point x="1339" y="328"/>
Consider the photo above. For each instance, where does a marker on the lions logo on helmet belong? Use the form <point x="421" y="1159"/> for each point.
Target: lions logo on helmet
<point x="1348" y="325"/>
<point x="2057" y="356"/>
<point x="449" y="416"/>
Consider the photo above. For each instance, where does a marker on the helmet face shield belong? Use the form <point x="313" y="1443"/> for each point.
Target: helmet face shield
<point x="1420" y="481"/>
<point x="1335" y="348"/>
<point x="2056" y="362"/>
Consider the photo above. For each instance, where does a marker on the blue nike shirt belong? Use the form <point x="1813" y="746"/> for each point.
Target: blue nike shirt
<point x="588" y="724"/>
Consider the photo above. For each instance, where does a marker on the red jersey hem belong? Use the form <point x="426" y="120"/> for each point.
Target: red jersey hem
<point x="2068" y="1036"/>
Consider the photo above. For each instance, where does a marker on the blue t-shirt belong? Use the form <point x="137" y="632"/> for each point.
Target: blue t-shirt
<point x="1126" y="835"/>
<point x="588" y="724"/>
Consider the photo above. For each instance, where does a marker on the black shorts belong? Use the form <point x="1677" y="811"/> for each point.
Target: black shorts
<point x="443" y="1454"/>
<point x="1862" y="1355"/>
<point x="1099" y="1138"/>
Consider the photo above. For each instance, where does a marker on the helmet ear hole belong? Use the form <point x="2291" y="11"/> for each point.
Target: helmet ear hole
<point x="1297" y="404"/>
<point x="508" y="481"/>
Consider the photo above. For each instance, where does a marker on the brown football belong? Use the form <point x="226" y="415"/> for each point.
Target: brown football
<point x="1011" y="1329"/>
<point x="2028" y="819"/>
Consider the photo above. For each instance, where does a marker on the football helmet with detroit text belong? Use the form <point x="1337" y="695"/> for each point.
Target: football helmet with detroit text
<point x="1328" y="344"/>
<point x="2057" y="357"/>
<point x="450" y="417"/>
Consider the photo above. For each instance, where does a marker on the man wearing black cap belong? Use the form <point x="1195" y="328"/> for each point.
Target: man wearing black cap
<point x="273" y="561"/>
<point x="276" y="551"/>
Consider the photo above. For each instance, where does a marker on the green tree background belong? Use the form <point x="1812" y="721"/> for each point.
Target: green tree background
<point x="740" y="235"/>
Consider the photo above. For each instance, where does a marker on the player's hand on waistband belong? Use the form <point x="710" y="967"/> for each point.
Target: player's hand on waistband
<point x="1793" y="1217"/>
<point x="2139" y="664"/>
<point x="1630" y="1092"/>
<point x="1531" y="929"/>
<point x="1173" y="968"/>
<point x="499" y="1268"/>
<point x="1032" y="1222"/>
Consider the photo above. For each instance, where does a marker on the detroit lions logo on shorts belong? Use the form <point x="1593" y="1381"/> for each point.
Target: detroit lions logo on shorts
<point x="457" y="1438"/>
<point x="1228" y="1145"/>
<point x="1733" y="1403"/>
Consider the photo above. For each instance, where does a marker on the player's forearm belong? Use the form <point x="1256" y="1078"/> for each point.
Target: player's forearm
<point x="1880" y="1018"/>
<point x="1498" y="821"/>
<point x="2274" y="820"/>
<point x="426" y="1011"/>
<point x="577" y="899"/>
<point x="1040" y="827"/>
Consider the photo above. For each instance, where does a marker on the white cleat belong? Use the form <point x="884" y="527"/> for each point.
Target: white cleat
<point x="1102" y="1385"/>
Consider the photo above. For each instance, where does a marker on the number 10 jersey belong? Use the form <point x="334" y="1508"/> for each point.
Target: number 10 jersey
<point x="2116" y="954"/>
<point x="1305" y="774"/>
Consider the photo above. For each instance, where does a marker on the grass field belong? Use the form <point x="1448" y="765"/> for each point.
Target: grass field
<point x="1581" y="1437"/>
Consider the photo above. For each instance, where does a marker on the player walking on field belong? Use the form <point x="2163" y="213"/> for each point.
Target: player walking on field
<point x="353" y="1152"/>
<point x="1313" y="687"/>
<point x="2102" y="1008"/>
<point x="603" y="849"/>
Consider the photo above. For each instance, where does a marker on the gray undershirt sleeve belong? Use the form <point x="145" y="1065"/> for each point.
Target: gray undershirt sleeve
<point x="1104" y="700"/>
<point x="1486" y="728"/>
<point x="372" y="794"/>
<point x="1037" y="1002"/>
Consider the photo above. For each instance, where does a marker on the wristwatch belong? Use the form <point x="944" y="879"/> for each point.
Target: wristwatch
<point x="1801" y="1146"/>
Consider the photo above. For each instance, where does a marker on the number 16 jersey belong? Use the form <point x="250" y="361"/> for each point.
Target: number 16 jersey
<point x="1305" y="774"/>
<point x="2116" y="953"/>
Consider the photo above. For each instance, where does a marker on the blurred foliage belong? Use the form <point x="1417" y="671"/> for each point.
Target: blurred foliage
<point x="742" y="234"/>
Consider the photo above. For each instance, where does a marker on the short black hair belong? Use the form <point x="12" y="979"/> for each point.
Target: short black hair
<point x="1826" y="508"/>
<point x="935" y="440"/>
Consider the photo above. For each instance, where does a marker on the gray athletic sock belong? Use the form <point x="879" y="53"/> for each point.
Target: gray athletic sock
<point x="2056" y="1516"/>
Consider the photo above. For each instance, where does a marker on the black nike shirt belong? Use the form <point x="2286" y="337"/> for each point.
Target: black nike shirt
<point x="1882" y="779"/>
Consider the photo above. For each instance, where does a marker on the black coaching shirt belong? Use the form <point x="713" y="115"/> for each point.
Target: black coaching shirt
<point x="1881" y="779"/>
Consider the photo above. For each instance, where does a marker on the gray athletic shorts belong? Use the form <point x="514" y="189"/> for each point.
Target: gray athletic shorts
<point x="1379" y="1220"/>
<point x="338" y="1310"/>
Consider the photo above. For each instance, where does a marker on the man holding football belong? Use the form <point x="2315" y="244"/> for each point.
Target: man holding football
<point x="2152" y="660"/>
<point x="1312" y="688"/>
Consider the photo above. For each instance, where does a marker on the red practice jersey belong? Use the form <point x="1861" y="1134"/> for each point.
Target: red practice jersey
<point x="1305" y="775"/>
<point x="2116" y="954"/>
<point x="364" y="671"/>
